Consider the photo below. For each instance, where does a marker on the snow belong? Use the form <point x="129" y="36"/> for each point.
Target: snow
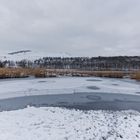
<point x="66" y="85"/>
<point x="51" y="123"/>
<point x="32" y="55"/>
<point x="54" y="123"/>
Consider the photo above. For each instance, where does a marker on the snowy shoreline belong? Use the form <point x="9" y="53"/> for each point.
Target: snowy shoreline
<point x="52" y="123"/>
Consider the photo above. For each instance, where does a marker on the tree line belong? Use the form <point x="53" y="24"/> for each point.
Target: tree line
<point x="80" y="63"/>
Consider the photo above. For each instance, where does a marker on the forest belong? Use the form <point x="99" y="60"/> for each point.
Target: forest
<point x="118" y="63"/>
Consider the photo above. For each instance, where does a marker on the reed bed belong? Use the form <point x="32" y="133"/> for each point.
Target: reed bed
<point x="136" y="76"/>
<point x="42" y="72"/>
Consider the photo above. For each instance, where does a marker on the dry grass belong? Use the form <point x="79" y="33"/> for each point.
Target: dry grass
<point x="13" y="73"/>
<point x="40" y="72"/>
<point x="110" y="74"/>
<point x="20" y="73"/>
<point x="136" y="76"/>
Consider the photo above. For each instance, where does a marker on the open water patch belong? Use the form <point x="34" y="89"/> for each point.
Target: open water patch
<point x="93" y="87"/>
<point x="94" y="80"/>
<point x="115" y="84"/>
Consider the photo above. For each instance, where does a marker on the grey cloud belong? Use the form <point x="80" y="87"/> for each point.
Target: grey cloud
<point x="79" y="27"/>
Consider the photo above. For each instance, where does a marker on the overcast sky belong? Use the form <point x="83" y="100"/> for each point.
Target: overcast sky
<point x="78" y="27"/>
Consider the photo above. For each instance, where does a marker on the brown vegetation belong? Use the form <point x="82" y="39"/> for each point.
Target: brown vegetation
<point x="13" y="73"/>
<point x="136" y="76"/>
<point x="109" y="74"/>
<point x="41" y="72"/>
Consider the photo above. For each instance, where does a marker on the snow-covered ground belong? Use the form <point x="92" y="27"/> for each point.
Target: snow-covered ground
<point x="51" y="123"/>
<point x="66" y="85"/>
<point x="31" y="55"/>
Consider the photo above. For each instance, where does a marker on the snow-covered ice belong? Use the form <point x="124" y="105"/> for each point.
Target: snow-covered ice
<point x="66" y="85"/>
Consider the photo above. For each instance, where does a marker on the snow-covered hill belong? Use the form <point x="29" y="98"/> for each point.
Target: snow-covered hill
<point x="29" y="55"/>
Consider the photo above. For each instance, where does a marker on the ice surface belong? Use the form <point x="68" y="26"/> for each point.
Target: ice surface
<point x="66" y="85"/>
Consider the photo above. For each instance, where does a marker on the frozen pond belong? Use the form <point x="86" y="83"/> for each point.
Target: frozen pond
<point x="80" y="93"/>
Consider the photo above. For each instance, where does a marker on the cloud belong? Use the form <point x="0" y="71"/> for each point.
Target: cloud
<point x="79" y="27"/>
